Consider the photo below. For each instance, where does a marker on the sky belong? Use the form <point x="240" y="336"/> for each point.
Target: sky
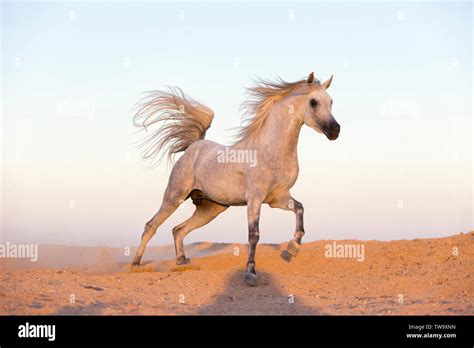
<point x="71" y="73"/>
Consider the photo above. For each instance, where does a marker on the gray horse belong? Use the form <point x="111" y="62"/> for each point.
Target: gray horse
<point x="260" y="167"/>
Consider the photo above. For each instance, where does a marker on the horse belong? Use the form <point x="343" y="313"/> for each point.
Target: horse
<point x="215" y="176"/>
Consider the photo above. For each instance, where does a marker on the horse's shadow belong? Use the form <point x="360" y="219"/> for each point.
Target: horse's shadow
<point x="267" y="298"/>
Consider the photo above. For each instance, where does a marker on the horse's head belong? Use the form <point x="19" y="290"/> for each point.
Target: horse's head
<point x="317" y="113"/>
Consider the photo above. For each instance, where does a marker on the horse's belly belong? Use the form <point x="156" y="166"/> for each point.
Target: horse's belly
<point x="223" y="188"/>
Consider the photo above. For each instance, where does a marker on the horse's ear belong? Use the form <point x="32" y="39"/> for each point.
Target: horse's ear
<point x="326" y="84"/>
<point x="310" y="78"/>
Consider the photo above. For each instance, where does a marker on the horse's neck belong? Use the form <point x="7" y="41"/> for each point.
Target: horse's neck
<point x="279" y="138"/>
<point x="283" y="137"/>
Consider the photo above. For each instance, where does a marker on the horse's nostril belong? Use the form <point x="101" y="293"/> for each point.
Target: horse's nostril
<point x="334" y="131"/>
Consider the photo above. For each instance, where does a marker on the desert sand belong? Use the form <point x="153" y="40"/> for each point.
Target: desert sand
<point x="421" y="276"/>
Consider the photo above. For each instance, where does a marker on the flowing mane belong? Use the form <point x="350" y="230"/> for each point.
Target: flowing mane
<point x="261" y="100"/>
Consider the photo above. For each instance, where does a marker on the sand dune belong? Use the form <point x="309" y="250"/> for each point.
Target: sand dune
<point x="422" y="276"/>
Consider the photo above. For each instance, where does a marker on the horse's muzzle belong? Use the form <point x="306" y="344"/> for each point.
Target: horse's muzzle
<point x="332" y="130"/>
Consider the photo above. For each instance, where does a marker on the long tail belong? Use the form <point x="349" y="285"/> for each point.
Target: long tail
<point x="172" y="121"/>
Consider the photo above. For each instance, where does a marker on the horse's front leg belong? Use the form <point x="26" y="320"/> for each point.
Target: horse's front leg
<point x="289" y="203"/>
<point x="253" y="216"/>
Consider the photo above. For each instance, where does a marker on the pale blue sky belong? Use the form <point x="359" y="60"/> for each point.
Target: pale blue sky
<point x="402" y="90"/>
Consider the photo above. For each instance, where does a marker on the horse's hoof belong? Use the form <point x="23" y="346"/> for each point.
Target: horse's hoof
<point x="250" y="279"/>
<point x="285" y="255"/>
<point x="293" y="248"/>
<point x="183" y="261"/>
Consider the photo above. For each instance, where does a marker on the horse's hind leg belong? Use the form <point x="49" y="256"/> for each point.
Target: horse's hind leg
<point x="204" y="213"/>
<point x="171" y="200"/>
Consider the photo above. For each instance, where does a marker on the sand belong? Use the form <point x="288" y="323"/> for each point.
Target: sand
<point x="421" y="276"/>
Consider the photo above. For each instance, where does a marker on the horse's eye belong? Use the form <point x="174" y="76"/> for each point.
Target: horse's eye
<point x="313" y="102"/>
